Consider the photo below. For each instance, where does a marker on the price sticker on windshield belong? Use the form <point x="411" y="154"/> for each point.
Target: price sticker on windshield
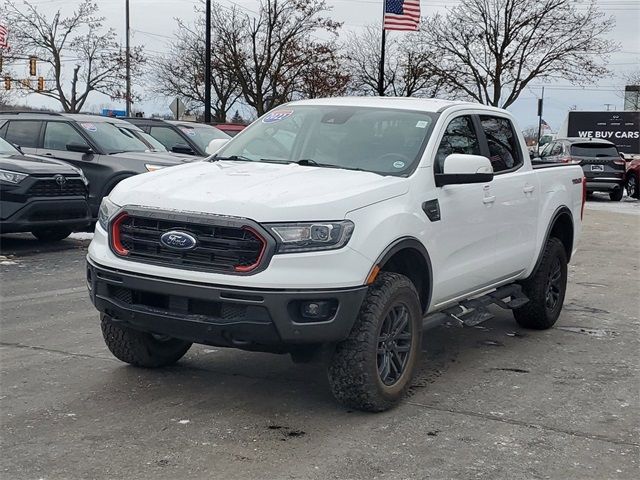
<point x="277" y="116"/>
<point x="89" y="127"/>
<point x="189" y="131"/>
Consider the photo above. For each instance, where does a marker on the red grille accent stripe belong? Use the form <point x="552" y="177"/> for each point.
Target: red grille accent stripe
<point x="248" y="268"/>
<point x="116" y="244"/>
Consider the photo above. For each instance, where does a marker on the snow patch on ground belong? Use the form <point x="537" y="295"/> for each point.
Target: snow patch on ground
<point x="82" y="236"/>
<point x="602" y="202"/>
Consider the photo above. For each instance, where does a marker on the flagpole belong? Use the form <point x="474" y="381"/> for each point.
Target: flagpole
<point x="381" y="67"/>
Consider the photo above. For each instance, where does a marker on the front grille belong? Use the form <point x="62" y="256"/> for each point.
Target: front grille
<point x="220" y="247"/>
<point x="73" y="187"/>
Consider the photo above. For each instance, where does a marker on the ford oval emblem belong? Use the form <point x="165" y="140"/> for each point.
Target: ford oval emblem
<point x="178" y="240"/>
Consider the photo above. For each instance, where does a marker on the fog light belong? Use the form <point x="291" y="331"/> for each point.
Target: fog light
<point x="317" y="310"/>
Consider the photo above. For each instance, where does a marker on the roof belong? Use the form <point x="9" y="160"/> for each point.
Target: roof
<point x="402" y="103"/>
<point x="584" y="140"/>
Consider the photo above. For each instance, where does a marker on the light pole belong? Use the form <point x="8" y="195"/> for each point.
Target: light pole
<point x="207" y="65"/>
<point x="128" y="60"/>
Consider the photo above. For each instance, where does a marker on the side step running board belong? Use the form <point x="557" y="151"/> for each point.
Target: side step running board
<point x="474" y="311"/>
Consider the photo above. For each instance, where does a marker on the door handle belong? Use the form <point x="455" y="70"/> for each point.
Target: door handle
<point x="528" y="189"/>
<point x="489" y="199"/>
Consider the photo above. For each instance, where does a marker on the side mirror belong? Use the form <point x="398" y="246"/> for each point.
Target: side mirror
<point x="461" y="169"/>
<point x="79" y="147"/>
<point x="182" y="148"/>
<point x="215" y="145"/>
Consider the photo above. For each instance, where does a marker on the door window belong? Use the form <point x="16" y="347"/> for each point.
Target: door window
<point x="504" y="146"/>
<point x="58" y="135"/>
<point x="25" y="133"/>
<point x="167" y="137"/>
<point x="460" y="137"/>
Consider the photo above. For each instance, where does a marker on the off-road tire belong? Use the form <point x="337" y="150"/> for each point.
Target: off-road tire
<point x="617" y="194"/>
<point x="140" y="348"/>
<point x="52" y="234"/>
<point x="353" y="370"/>
<point x="537" y="314"/>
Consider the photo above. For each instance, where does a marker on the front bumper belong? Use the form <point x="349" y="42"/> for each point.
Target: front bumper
<point x="72" y="212"/>
<point x="250" y="319"/>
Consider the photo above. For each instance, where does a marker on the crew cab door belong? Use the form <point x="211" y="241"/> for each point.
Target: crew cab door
<point x="463" y="237"/>
<point x="514" y="195"/>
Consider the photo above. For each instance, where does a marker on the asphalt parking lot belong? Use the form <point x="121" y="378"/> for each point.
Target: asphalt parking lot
<point x="492" y="402"/>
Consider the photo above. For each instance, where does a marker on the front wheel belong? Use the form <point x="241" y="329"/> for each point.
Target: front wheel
<point x="141" y="349"/>
<point x="373" y="367"/>
<point x="52" y="234"/>
<point x="632" y="185"/>
<point x="545" y="288"/>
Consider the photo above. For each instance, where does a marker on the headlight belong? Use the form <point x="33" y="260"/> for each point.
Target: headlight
<point x="12" y="177"/>
<point x="152" y="168"/>
<point x="107" y="210"/>
<point x="307" y="237"/>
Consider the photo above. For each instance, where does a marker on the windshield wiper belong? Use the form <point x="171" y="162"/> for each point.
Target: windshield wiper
<point x="234" y="158"/>
<point x="308" y="162"/>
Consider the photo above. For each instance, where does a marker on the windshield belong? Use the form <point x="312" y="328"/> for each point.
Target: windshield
<point x="386" y="141"/>
<point x="7" y="149"/>
<point x="112" y="139"/>
<point x="201" y="135"/>
<point x="593" y="150"/>
<point x="152" y="144"/>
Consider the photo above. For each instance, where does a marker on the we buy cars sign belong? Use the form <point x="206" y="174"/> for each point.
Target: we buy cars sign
<point x="621" y="128"/>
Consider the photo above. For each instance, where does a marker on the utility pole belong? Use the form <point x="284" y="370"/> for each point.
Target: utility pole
<point x="540" y="110"/>
<point x="207" y="65"/>
<point x="128" y="60"/>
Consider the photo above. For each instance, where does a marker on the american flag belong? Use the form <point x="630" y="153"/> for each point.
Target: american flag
<point x="401" y="14"/>
<point x="3" y="37"/>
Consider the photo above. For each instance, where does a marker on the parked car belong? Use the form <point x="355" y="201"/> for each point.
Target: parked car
<point x="632" y="178"/>
<point x="105" y="152"/>
<point x="181" y="137"/>
<point x="231" y="129"/>
<point x="601" y="162"/>
<point x="329" y="229"/>
<point x="43" y="196"/>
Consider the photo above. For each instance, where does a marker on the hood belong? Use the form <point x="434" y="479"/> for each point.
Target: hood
<point x="34" y="165"/>
<point x="160" y="158"/>
<point x="264" y="192"/>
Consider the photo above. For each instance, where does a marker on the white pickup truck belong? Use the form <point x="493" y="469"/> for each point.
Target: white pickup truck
<point x="337" y="229"/>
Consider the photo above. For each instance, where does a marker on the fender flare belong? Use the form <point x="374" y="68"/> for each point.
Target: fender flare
<point x="560" y="211"/>
<point x="411" y="243"/>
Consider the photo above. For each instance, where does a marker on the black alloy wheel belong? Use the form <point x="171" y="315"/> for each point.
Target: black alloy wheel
<point x="394" y="344"/>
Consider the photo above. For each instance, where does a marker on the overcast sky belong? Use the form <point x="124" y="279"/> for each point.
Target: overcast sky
<point x="153" y="23"/>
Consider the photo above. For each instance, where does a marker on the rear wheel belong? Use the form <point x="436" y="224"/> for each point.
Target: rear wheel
<point x="616" y="195"/>
<point x="632" y="185"/>
<point x="52" y="234"/>
<point x="141" y="349"/>
<point x="545" y="288"/>
<point x="373" y="367"/>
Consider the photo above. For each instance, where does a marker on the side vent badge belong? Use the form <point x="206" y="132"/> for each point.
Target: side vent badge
<point x="432" y="209"/>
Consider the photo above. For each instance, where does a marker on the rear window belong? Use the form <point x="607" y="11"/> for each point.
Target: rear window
<point x="593" y="150"/>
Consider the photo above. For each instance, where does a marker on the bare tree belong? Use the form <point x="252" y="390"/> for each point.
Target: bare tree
<point x="407" y="70"/>
<point x="94" y="58"/>
<point x="490" y="50"/>
<point x="324" y="73"/>
<point x="268" y="52"/>
<point x="181" y="72"/>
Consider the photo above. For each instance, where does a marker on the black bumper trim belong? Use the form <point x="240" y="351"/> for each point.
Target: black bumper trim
<point x="269" y="323"/>
<point x="52" y="211"/>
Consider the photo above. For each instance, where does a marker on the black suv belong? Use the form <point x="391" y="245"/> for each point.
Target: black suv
<point x="603" y="167"/>
<point x="180" y="137"/>
<point x="102" y="147"/>
<point x="45" y="197"/>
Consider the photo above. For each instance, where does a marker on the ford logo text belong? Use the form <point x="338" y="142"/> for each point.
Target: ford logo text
<point x="178" y="240"/>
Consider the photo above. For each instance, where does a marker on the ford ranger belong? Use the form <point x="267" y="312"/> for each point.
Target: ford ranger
<point x="337" y="229"/>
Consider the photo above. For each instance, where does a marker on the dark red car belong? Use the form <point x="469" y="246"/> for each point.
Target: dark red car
<point x="632" y="178"/>
<point x="231" y="129"/>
